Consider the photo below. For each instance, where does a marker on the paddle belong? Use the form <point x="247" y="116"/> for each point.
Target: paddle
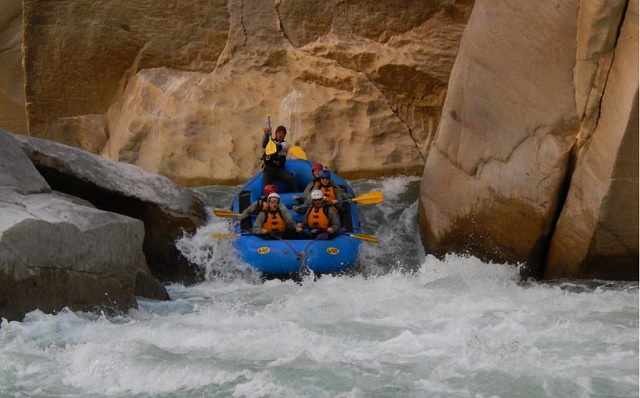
<point x="224" y="236"/>
<point x="366" y="238"/>
<point x="225" y="213"/>
<point x="298" y="153"/>
<point x="369" y="198"/>
<point x="271" y="147"/>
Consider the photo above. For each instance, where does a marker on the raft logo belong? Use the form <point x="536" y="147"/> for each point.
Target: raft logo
<point x="332" y="250"/>
<point x="263" y="250"/>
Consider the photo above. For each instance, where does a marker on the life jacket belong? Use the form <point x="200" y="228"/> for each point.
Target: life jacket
<point x="318" y="218"/>
<point x="277" y="159"/>
<point x="329" y="192"/>
<point x="274" y="222"/>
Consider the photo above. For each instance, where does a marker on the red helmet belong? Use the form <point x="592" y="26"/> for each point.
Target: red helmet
<point x="317" y="166"/>
<point x="268" y="189"/>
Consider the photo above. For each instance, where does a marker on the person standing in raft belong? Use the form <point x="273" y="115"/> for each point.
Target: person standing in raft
<point x="321" y="219"/>
<point x="274" y="220"/>
<point x="275" y="156"/>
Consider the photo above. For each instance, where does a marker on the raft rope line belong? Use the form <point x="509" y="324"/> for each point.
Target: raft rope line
<point x="303" y="259"/>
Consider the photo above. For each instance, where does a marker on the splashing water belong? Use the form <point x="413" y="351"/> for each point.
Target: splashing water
<point x="403" y="324"/>
<point x="290" y="108"/>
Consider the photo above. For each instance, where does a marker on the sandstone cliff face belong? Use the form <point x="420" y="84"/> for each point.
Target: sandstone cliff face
<point x="13" y="115"/>
<point x="183" y="89"/>
<point x="542" y="107"/>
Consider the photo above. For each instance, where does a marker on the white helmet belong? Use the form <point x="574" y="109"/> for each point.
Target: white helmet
<point x="273" y="195"/>
<point x="317" y="194"/>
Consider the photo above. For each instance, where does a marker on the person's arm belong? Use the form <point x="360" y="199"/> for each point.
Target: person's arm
<point x="248" y="211"/>
<point x="334" y="220"/>
<point x="283" y="148"/>
<point x="257" y="226"/>
<point x="304" y="224"/>
<point x="307" y="189"/>
<point x="288" y="219"/>
<point x="338" y="191"/>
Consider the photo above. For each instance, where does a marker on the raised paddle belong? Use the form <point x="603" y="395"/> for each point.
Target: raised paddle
<point x="271" y="147"/>
<point x="225" y="213"/>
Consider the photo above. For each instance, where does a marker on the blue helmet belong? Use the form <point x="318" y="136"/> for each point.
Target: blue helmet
<point x="325" y="174"/>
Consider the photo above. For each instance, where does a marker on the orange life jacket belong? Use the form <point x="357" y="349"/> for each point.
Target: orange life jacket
<point x="318" y="218"/>
<point x="329" y="193"/>
<point x="274" y="222"/>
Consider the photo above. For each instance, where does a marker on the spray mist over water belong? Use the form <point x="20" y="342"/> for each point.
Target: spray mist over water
<point x="291" y="106"/>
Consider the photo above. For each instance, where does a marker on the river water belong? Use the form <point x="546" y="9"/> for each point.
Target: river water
<point x="401" y="324"/>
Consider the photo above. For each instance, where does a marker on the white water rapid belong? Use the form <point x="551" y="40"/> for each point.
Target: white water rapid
<point x="401" y="324"/>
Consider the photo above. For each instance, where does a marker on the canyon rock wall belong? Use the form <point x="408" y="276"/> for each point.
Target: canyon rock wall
<point x="182" y="89"/>
<point x="13" y="114"/>
<point x="540" y="126"/>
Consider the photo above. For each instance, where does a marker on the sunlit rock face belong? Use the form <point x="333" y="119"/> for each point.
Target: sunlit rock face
<point x="183" y="88"/>
<point x="597" y="233"/>
<point x="540" y="122"/>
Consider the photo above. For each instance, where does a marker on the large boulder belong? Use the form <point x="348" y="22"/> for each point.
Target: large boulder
<point x="529" y="86"/>
<point x="58" y="251"/>
<point x="168" y="211"/>
<point x="597" y="233"/>
<point x="183" y="89"/>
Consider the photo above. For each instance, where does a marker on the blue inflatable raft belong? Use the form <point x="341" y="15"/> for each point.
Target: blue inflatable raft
<point x="277" y="256"/>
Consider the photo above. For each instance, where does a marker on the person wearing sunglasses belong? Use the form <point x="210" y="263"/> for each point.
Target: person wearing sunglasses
<point x="274" y="220"/>
<point x="316" y="170"/>
<point x="333" y="195"/>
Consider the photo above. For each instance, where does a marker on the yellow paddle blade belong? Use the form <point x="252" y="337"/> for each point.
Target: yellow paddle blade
<point x="298" y="153"/>
<point x="271" y="148"/>
<point x="224" y="236"/>
<point x="225" y="213"/>
<point x="366" y="238"/>
<point x="369" y="198"/>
